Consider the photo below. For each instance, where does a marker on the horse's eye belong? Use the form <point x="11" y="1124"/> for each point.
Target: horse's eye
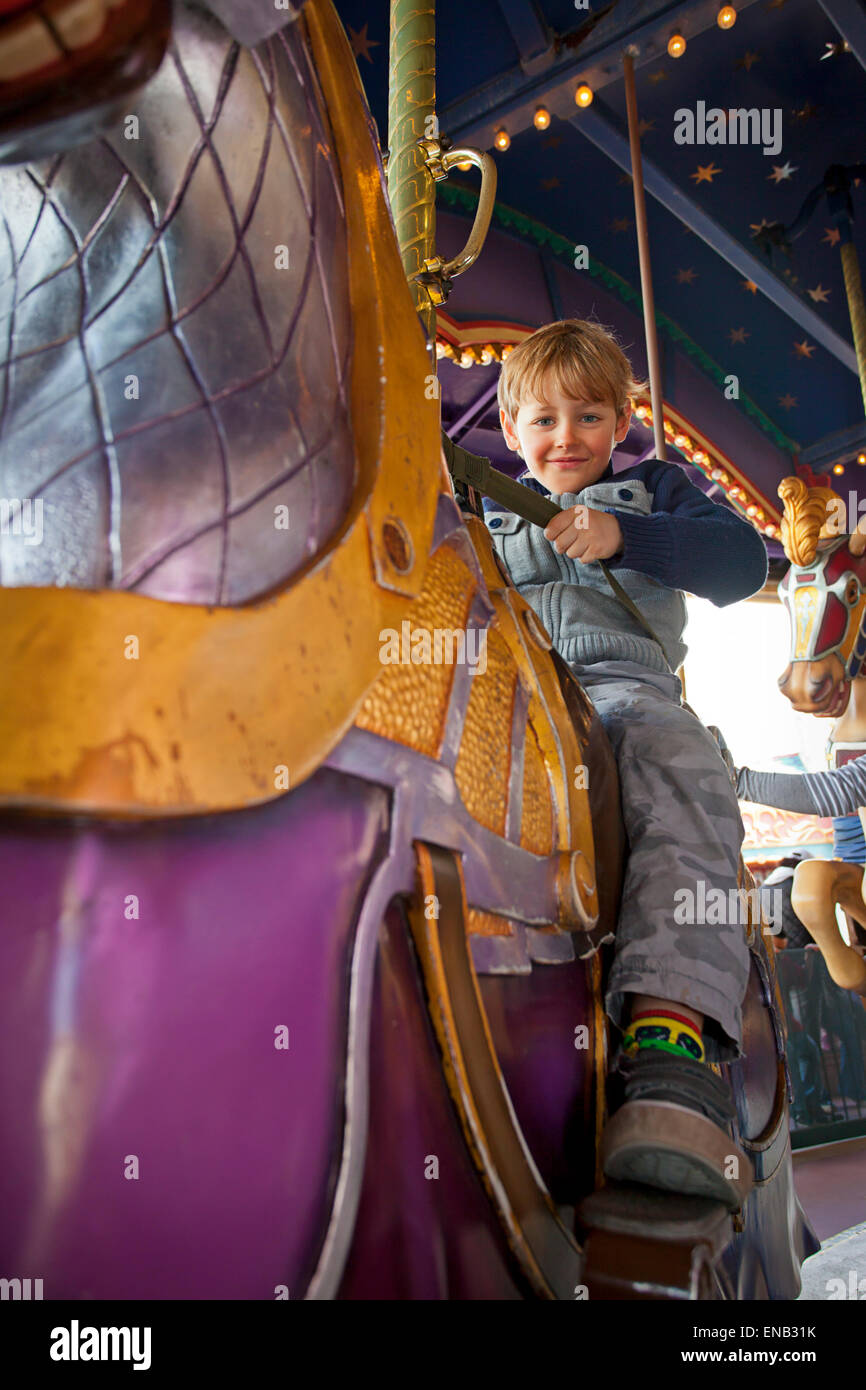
<point x="852" y="591"/>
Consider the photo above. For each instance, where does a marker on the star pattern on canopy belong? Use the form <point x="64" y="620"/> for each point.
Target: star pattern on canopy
<point x="361" y="44"/>
<point x="705" y="173"/>
<point x="815" y="116"/>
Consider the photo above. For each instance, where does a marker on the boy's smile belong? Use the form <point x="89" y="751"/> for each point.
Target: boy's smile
<point x="565" y="443"/>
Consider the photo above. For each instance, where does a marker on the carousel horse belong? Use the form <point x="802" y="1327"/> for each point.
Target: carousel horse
<point x="824" y="593"/>
<point x="304" y="928"/>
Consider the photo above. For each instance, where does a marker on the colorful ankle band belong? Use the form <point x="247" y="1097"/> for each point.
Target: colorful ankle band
<point x="667" y="1032"/>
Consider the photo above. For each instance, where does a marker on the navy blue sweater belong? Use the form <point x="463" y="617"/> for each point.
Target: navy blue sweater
<point x="688" y="542"/>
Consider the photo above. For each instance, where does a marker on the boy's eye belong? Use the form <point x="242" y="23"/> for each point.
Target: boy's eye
<point x="548" y="419"/>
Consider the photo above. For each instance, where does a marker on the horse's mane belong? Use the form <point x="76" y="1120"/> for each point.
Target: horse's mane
<point x="804" y="520"/>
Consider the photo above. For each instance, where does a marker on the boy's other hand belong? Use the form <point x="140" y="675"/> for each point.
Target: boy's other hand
<point x="584" y="534"/>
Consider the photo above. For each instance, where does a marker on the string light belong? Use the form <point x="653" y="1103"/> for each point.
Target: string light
<point x="838" y="468"/>
<point x="502" y="139"/>
<point x="700" y="458"/>
<point x="473" y="354"/>
<point x="726" y="17"/>
<point x="584" y="95"/>
<point x="676" y="46"/>
<point x="541" y="119"/>
<point x="861" y="459"/>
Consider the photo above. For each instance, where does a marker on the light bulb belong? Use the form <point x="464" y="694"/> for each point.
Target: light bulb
<point x="838" y="468"/>
<point x="676" y="46"/>
<point x="502" y="139"/>
<point x="583" y="96"/>
<point x="541" y="119"/>
<point x="726" y="17"/>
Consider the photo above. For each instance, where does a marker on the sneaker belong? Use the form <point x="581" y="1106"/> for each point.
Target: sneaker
<point x="672" y="1130"/>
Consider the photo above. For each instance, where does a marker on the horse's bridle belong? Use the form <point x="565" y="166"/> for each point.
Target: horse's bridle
<point x="826" y="601"/>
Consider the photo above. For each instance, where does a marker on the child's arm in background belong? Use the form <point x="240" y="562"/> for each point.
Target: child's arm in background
<point x="839" y="792"/>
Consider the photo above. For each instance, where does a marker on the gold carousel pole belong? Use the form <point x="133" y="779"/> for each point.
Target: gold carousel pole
<point x="411" y="117"/>
<point x="854" y="292"/>
<point x="649" y="312"/>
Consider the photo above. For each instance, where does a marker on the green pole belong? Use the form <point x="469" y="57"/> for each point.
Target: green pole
<point x="411" y="117"/>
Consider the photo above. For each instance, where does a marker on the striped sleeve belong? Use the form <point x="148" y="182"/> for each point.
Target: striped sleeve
<point x="836" y="793"/>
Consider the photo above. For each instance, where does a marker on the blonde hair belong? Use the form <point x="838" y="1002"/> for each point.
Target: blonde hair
<point x="804" y="521"/>
<point x="578" y="357"/>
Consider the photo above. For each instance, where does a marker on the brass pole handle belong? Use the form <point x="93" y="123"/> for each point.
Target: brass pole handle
<point x="435" y="274"/>
<point x="484" y="211"/>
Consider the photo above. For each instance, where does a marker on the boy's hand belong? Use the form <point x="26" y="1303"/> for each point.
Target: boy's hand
<point x="585" y="534"/>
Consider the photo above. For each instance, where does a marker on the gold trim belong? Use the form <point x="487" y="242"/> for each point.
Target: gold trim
<point x="549" y="1257"/>
<point x="220" y="699"/>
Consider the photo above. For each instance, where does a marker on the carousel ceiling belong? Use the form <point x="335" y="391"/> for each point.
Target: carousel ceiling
<point x="768" y="308"/>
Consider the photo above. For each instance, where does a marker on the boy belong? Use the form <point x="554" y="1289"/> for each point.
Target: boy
<point x="565" y="398"/>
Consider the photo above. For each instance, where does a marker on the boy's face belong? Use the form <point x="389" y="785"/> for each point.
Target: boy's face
<point x="565" y="443"/>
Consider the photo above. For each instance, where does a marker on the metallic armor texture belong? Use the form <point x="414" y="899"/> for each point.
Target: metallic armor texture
<point x="157" y="258"/>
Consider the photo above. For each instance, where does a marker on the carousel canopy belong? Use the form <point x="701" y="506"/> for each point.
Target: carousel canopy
<point x="737" y="131"/>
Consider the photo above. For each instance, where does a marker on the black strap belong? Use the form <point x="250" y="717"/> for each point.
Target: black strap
<point x="479" y="473"/>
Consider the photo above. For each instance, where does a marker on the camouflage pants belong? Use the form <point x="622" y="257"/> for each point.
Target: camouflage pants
<point x="684" y="826"/>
